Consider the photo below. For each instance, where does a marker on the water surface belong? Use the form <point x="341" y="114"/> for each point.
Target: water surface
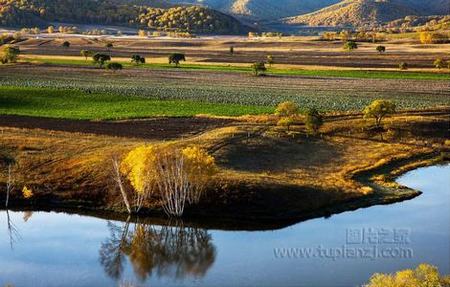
<point x="56" y="249"/>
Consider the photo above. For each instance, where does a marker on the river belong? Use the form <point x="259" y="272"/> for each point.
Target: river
<point x="58" y="249"/>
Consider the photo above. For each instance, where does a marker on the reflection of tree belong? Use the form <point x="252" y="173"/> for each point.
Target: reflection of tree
<point x="13" y="233"/>
<point x="167" y="251"/>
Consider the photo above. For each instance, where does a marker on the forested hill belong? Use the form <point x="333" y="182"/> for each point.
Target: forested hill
<point x="27" y="13"/>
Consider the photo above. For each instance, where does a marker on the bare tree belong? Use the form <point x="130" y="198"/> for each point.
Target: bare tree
<point x="9" y="185"/>
<point x="119" y="181"/>
<point x="173" y="183"/>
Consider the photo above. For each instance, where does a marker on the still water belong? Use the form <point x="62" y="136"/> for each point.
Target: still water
<point x="55" y="249"/>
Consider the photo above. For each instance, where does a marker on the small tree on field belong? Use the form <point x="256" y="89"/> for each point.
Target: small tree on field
<point x="137" y="59"/>
<point x="270" y="60"/>
<point x="286" y="122"/>
<point x="313" y="121"/>
<point x="86" y="54"/>
<point x="350" y="45"/>
<point x="50" y="29"/>
<point x="109" y="46"/>
<point x="403" y="66"/>
<point x="231" y="50"/>
<point x="101" y="59"/>
<point x="114" y="66"/>
<point x="381" y="49"/>
<point x="286" y="109"/>
<point x="259" y="68"/>
<point x="176" y="58"/>
<point x="66" y="44"/>
<point x="378" y="110"/>
<point x="9" y="54"/>
<point x="439" y="63"/>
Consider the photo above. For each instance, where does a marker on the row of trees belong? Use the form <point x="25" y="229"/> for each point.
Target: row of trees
<point x="288" y="113"/>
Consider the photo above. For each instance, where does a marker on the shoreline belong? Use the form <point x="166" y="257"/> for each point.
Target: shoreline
<point x="382" y="195"/>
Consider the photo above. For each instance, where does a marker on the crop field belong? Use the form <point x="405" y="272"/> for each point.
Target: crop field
<point x="82" y="92"/>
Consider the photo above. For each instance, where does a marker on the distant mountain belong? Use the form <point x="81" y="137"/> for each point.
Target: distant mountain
<point x="362" y="13"/>
<point x="262" y="9"/>
<point x="134" y="13"/>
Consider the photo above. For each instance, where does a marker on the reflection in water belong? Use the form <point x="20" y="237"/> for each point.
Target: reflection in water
<point x="13" y="232"/>
<point x="172" y="250"/>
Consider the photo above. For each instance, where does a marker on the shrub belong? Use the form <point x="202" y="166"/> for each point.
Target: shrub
<point x="403" y="66"/>
<point x="9" y="54"/>
<point x="175" y="58"/>
<point x="286" y="109"/>
<point x="137" y="59"/>
<point x="439" y="63"/>
<point x="381" y="49"/>
<point x="313" y="121"/>
<point x="66" y="44"/>
<point x="259" y="68"/>
<point x="114" y="66"/>
<point x="270" y="60"/>
<point x="378" y="110"/>
<point x="350" y="45"/>
<point x="101" y="59"/>
<point x="285" y="122"/>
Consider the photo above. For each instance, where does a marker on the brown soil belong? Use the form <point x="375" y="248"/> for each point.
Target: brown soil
<point x="154" y="128"/>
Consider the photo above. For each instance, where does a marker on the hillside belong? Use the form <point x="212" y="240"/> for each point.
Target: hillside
<point x="27" y="13"/>
<point x="262" y="9"/>
<point x="358" y="13"/>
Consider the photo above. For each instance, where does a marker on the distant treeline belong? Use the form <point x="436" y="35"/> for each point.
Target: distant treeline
<point x="26" y="13"/>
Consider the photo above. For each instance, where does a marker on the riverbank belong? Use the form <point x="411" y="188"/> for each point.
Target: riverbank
<point x="268" y="179"/>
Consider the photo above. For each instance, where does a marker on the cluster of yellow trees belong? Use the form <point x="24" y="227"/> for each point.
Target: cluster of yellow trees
<point x="424" y="275"/>
<point x="184" y="18"/>
<point x="433" y="37"/>
<point x="176" y="177"/>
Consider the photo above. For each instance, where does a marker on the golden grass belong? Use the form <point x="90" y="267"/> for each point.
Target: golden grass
<point x="251" y="155"/>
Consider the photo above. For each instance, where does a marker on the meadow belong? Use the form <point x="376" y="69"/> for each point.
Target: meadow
<point x="84" y="92"/>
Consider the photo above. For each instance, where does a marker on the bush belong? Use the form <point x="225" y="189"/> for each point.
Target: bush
<point x="403" y="66"/>
<point x="175" y="58"/>
<point x="9" y="54"/>
<point x="381" y="49"/>
<point x="439" y="63"/>
<point x="286" y="109"/>
<point x="313" y="121"/>
<point x="137" y="59"/>
<point x="350" y="45"/>
<point x="101" y="59"/>
<point x="114" y="66"/>
<point x="286" y="122"/>
<point x="259" y="68"/>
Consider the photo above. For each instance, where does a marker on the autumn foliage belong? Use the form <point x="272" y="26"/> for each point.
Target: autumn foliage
<point x="176" y="176"/>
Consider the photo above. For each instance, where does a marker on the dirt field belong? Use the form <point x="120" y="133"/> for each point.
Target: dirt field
<point x="153" y="129"/>
<point x="296" y="51"/>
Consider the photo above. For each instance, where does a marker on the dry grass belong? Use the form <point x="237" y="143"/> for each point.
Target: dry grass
<point x="262" y="169"/>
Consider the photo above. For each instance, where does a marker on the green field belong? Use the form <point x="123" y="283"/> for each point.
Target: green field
<point x="54" y="103"/>
<point x="361" y="74"/>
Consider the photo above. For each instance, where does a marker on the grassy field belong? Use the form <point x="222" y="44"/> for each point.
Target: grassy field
<point x="86" y="92"/>
<point x="44" y="102"/>
<point x="347" y="73"/>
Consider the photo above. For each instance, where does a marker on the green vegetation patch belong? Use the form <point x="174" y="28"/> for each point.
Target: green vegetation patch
<point x="361" y="74"/>
<point x="71" y="104"/>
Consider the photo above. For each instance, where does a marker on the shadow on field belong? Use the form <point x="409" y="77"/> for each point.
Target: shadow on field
<point x="259" y="154"/>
